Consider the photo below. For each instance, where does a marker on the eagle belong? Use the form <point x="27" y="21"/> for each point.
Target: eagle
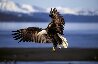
<point x="53" y="33"/>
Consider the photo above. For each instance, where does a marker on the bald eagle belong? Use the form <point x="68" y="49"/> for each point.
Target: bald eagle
<point x="53" y="33"/>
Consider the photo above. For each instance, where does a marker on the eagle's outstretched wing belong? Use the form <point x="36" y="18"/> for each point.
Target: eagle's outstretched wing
<point x="31" y="34"/>
<point x="57" y="22"/>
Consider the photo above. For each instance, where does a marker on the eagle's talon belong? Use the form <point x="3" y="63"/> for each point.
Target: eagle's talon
<point x="53" y="49"/>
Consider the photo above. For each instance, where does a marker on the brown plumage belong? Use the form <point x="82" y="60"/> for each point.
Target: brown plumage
<point x="30" y="34"/>
<point x="52" y="34"/>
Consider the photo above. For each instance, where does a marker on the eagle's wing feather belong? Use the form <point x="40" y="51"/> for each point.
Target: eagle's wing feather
<point x="31" y="34"/>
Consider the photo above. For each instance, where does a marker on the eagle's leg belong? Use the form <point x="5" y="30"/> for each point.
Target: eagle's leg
<point x="58" y="40"/>
<point x="54" y="46"/>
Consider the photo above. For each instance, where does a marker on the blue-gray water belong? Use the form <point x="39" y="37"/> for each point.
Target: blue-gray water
<point x="79" y="35"/>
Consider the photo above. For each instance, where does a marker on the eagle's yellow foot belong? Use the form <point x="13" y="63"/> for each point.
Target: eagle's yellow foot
<point x="53" y="49"/>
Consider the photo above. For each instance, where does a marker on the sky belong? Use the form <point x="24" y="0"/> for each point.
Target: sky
<point x="85" y="4"/>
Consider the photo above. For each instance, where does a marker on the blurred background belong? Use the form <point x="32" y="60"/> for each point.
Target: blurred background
<point x="81" y="21"/>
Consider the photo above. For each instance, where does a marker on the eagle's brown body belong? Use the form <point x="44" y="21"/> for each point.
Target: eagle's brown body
<point x="51" y="34"/>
